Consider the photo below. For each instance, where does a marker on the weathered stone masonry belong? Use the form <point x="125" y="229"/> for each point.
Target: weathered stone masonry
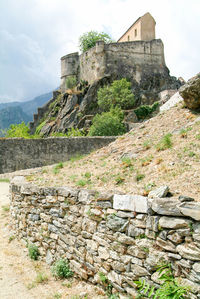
<point x="123" y="236"/>
<point x="18" y="153"/>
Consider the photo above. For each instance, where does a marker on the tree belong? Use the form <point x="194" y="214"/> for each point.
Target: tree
<point x="108" y="123"/>
<point x="19" y="130"/>
<point x="118" y="93"/>
<point x="89" y="39"/>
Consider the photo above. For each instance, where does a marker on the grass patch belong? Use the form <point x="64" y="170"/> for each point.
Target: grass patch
<point x="147" y="144"/>
<point x="6" y="208"/>
<point x="183" y="132"/>
<point x="119" y="180"/>
<point x="76" y="158"/>
<point x="41" y="278"/>
<point x="164" y="143"/>
<point x="81" y="183"/>
<point x="11" y="238"/>
<point x="88" y="175"/>
<point x="139" y="177"/>
<point x="127" y="162"/>
<point x="4" y="180"/>
<point x="56" y="169"/>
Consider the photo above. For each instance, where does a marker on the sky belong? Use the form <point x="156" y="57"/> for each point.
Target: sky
<point x="34" y="34"/>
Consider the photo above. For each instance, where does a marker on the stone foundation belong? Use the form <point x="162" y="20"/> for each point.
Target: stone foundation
<point x="123" y="236"/>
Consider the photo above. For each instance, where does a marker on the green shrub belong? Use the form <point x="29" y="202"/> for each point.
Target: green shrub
<point x="33" y="251"/>
<point x="72" y="132"/>
<point x="20" y="130"/>
<point x="61" y="269"/>
<point x="71" y="82"/>
<point x="89" y="39"/>
<point x="108" y="123"/>
<point x="145" y="110"/>
<point x="118" y="93"/>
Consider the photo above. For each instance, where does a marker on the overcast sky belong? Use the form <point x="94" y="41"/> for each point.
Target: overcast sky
<point x="34" y="34"/>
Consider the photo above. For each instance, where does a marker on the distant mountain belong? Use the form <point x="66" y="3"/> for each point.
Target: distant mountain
<point x="29" y="107"/>
<point x="16" y="112"/>
<point x="12" y="115"/>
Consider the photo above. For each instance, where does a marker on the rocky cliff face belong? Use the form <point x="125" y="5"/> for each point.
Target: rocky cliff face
<point x="75" y="109"/>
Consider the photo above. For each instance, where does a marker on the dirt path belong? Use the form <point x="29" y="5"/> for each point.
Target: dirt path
<point x="18" y="272"/>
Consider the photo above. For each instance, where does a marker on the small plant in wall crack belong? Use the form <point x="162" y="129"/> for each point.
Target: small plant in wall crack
<point x="170" y="288"/>
<point x="108" y="286"/>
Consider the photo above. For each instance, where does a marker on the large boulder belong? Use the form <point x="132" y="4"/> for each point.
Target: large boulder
<point x="191" y="92"/>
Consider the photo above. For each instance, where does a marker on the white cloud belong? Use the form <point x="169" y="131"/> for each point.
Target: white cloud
<point x="36" y="33"/>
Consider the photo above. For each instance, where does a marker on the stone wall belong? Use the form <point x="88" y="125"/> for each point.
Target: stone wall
<point x="123" y="236"/>
<point x="93" y="63"/>
<point x="18" y="153"/>
<point x="102" y="59"/>
<point x="136" y="59"/>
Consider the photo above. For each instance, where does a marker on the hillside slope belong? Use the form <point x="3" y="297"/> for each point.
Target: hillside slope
<point x="165" y="150"/>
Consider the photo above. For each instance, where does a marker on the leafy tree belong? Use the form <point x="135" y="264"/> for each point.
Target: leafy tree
<point x="108" y="123"/>
<point x="118" y="93"/>
<point x="89" y="39"/>
<point x="20" y="130"/>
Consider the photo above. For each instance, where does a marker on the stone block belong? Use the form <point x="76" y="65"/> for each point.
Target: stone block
<point x="191" y="209"/>
<point x="123" y="239"/>
<point x="117" y="224"/>
<point x="103" y="253"/>
<point x="165" y="206"/>
<point x="30" y="189"/>
<point x="92" y="245"/>
<point x="78" y="269"/>
<point x="136" y="251"/>
<point x="189" y="251"/>
<point x="115" y="277"/>
<point x="134" y="203"/>
<point x="118" y="267"/>
<point x="86" y="196"/>
<point x="173" y="222"/>
<point x="167" y="245"/>
<point x="159" y="192"/>
<point x="89" y="225"/>
<point x="139" y="271"/>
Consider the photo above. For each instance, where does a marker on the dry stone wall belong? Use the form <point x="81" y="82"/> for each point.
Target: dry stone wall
<point x="123" y="236"/>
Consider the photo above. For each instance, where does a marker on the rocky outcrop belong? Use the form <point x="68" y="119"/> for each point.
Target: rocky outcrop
<point x="191" y="92"/>
<point x="76" y="109"/>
